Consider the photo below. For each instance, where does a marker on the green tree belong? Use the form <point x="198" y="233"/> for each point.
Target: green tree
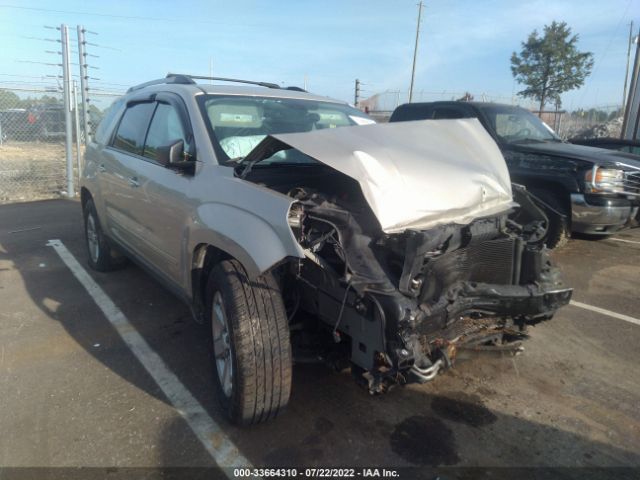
<point x="8" y="99"/>
<point x="551" y="64"/>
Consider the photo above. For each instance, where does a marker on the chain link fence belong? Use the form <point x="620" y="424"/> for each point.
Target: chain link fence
<point x="32" y="143"/>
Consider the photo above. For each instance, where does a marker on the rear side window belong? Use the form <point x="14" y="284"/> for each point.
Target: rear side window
<point x="408" y="112"/>
<point x="440" y="113"/>
<point x="133" y="128"/>
<point x="166" y="128"/>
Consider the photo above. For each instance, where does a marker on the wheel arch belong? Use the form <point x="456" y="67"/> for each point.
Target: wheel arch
<point x="559" y="190"/>
<point x="85" y="196"/>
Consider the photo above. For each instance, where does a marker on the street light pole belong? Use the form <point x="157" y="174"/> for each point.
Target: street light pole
<point x="415" y="52"/>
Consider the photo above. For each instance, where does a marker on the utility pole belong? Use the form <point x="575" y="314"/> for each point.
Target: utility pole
<point x="356" y="98"/>
<point x="631" y="121"/>
<point x="626" y="72"/>
<point x="66" y="80"/>
<point x="415" y="52"/>
<point x="84" y="83"/>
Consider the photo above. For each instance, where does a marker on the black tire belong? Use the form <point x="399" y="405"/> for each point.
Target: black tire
<point x="257" y="344"/>
<point x="559" y="231"/>
<point x="102" y="256"/>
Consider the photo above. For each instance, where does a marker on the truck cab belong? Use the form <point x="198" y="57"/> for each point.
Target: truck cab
<point x="585" y="190"/>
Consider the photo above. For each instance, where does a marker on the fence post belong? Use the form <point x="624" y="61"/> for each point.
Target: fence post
<point x="66" y="77"/>
<point x="84" y="83"/>
<point x="76" y="122"/>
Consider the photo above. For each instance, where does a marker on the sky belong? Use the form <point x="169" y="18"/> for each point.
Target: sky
<point x="464" y="45"/>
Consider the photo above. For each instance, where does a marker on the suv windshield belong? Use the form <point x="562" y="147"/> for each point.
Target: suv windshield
<point x="239" y="123"/>
<point x="516" y="125"/>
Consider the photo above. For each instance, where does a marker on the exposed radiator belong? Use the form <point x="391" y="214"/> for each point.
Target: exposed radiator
<point x="492" y="261"/>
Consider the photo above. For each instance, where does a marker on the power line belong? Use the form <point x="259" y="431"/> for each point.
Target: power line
<point x="108" y="15"/>
<point x="123" y="17"/>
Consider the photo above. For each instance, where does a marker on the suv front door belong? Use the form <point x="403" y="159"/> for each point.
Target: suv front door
<point x="162" y="204"/>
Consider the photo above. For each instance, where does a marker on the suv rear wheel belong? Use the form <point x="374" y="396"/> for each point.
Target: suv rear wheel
<point x="251" y="347"/>
<point x="101" y="256"/>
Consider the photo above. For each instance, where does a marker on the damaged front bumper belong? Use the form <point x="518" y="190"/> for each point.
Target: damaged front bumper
<point x="406" y="313"/>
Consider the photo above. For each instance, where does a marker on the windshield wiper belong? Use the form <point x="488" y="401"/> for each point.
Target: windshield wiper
<point x="233" y="161"/>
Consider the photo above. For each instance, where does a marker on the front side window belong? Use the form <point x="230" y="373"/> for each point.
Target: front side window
<point x="133" y="128"/>
<point x="239" y="123"/>
<point x="166" y="129"/>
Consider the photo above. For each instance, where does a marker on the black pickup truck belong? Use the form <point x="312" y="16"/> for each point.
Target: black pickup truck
<point x="586" y="190"/>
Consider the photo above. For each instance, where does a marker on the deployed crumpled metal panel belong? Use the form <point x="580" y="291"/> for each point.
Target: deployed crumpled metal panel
<point x="416" y="175"/>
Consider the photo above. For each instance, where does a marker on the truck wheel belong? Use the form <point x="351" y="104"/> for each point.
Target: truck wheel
<point x="102" y="257"/>
<point x="559" y="231"/>
<point x="251" y="347"/>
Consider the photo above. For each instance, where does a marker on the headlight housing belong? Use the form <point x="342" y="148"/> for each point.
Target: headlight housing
<point x="604" y="180"/>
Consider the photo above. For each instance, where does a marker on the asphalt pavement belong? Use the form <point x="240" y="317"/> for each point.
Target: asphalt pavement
<point x="74" y="392"/>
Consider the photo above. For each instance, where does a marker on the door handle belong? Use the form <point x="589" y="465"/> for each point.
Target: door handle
<point x="102" y="168"/>
<point x="133" y="182"/>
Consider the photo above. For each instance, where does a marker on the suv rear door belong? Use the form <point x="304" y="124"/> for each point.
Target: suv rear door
<point x="119" y="174"/>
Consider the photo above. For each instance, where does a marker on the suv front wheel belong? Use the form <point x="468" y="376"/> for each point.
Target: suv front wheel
<point x="251" y="347"/>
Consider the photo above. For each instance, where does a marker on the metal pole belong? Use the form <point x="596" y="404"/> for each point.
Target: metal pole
<point x="84" y="84"/>
<point x="415" y="52"/>
<point x="76" y="123"/>
<point x="631" y="122"/>
<point x="66" y="76"/>
<point x="626" y="72"/>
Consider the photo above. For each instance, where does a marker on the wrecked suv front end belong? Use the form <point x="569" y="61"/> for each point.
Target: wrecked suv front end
<point x="405" y="302"/>
<point x="409" y="253"/>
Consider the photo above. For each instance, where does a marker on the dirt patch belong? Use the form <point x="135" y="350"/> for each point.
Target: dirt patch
<point x="33" y="171"/>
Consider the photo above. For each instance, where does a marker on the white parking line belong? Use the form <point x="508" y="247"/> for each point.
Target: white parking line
<point x="603" y="311"/>
<point x="210" y="434"/>
<point x="624" y="240"/>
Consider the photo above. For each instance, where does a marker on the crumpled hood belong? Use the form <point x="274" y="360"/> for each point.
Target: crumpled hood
<point x="414" y="175"/>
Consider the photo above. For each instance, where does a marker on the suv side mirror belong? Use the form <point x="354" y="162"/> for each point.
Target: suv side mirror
<point x="172" y="156"/>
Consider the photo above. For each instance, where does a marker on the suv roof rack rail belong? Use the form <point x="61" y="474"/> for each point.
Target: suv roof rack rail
<point x="171" y="78"/>
<point x="223" y="79"/>
<point x="183" y="79"/>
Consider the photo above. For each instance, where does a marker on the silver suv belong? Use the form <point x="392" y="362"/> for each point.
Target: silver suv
<point x="297" y="228"/>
